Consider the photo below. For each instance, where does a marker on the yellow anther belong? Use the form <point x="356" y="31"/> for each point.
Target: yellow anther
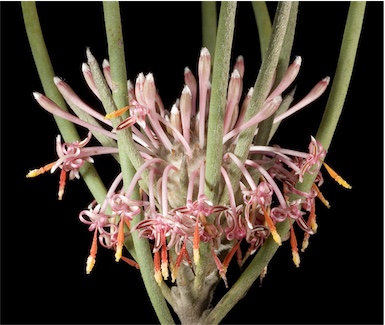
<point x="92" y="257"/>
<point x="158" y="277"/>
<point x="276" y="237"/>
<point x="196" y="242"/>
<point x="41" y="170"/>
<point x="117" y="112"/>
<point x="90" y="264"/>
<point x="164" y="268"/>
<point x="314" y="225"/>
<point x="35" y="172"/>
<point x="270" y="224"/>
<point x="118" y="253"/>
<point x="120" y="243"/>
<point x="196" y="255"/>
<point x="305" y="242"/>
<point x="336" y="177"/>
<point x="296" y="258"/>
<point x="158" y="273"/>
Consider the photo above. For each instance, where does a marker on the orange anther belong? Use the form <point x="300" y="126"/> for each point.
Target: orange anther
<point x="158" y="273"/>
<point x="221" y="269"/>
<point x="62" y="183"/>
<point x="273" y="230"/>
<point x="336" y="177"/>
<point x="91" y="258"/>
<point x="312" y="216"/>
<point x="174" y="273"/>
<point x="117" y="113"/>
<point x="320" y="196"/>
<point x="311" y="222"/>
<point x="196" y="243"/>
<point x="164" y="265"/>
<point x="130" y="262"/>
<point x="294" y="248"/>
<point x="230" y="255"/>
<point x="120" y="243"/>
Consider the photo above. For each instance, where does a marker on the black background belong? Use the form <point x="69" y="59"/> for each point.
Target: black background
<point x="43" y="244"/>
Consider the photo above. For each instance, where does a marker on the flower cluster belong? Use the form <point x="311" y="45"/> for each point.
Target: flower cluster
<point x="175" y="214"/>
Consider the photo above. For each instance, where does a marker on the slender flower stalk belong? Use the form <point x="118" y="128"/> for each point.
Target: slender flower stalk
<point x="197" y="184"/>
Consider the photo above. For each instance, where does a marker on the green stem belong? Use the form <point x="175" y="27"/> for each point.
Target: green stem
<point x="340" y="83"/>
<point x="248" y="277"/>
<point x="46" y="75"/>
<point x="264" y="128"/>
<point x="120" y="97"/>
<point x="116" y="54"/>
<point x="221" y="70"/>
<point x="263" y="20"/>
<point x="343" y="74"/>
<point x="326" y="130"/>
<point x="261" y="89"/>
<point x="209" y="25"/>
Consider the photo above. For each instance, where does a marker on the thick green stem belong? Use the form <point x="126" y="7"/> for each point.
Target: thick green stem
<point x="264" y="128"/>
<point x="340" y="83"/>
<point x="46" y="75"/>
<point x="221" y="69"/>
<point x="209" y="25"/>
<point x="116" y="54"/>
<point x="326" y="130"/>
<point x="214" y="153"/>
<point x="248" y="277"/>
<point x="343" y="74"/>
<point x="261" y="89"/>
<point x="120" y="97"/>
<point x="263" y="20"/>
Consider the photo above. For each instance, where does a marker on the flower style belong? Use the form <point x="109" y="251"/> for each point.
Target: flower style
<point x="175" y="214"/>
<point x="72" y="157"/>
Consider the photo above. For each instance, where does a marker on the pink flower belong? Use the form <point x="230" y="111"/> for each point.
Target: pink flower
<point x="176" y="214"/>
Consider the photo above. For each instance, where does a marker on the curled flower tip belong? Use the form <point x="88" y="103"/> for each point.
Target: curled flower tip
<point x="326" y="80"/>
<point x="298" y="60"/>
<point x="116" y="113"/>
<point x="105" y="64"/>
<point x="37" y="95"/>
<point x="337" y="177"/>
<point x="57" y="80"/>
